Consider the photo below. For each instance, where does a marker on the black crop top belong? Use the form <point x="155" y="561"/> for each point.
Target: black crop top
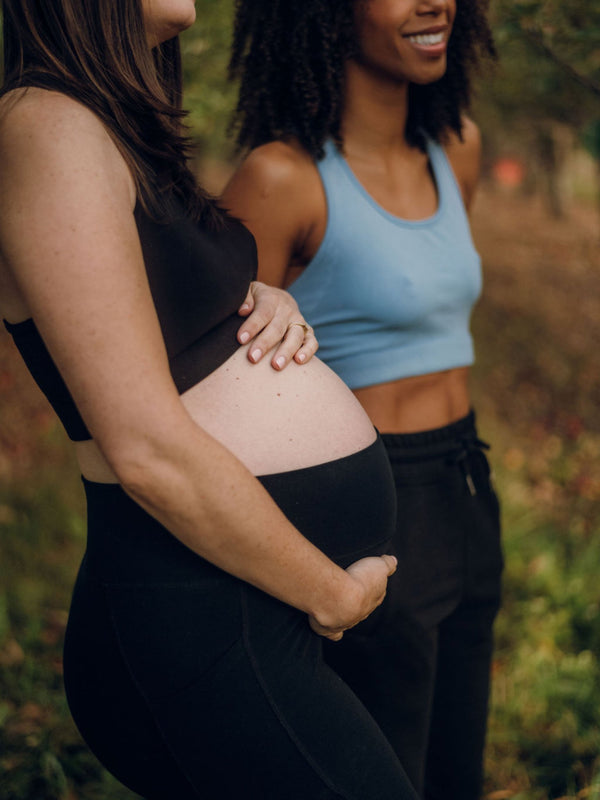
<point x="198" y="279"/>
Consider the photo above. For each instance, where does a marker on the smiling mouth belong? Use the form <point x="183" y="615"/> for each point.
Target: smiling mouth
<point x="426" y="39"/>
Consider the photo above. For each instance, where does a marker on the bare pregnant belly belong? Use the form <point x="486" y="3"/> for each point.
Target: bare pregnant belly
<point x="272" y="421"/>
<point x="279" y="421"/>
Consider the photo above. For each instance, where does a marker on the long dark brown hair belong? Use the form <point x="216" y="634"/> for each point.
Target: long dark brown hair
<point x="96" y="52"/>
<point x="290" y="59"/>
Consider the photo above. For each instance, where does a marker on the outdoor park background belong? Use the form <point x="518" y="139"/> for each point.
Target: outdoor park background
<point x="537" y="391"/>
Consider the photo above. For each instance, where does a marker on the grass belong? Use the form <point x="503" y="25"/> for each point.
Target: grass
<point x="537" y="390"/>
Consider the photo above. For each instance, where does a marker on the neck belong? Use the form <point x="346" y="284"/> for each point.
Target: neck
<point x="375" y="110"/>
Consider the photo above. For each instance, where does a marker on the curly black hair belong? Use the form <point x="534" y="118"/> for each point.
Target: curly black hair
<point x="289" y="57"/>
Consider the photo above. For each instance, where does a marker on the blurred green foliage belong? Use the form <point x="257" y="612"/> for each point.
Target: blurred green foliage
<point x="567" y="33"/>
<point x="542" y="101"/>
<point x="208" y="94"/>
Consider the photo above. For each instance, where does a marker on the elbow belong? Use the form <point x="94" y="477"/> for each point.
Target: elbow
<point x="152" y="458"/>
<point x="140" y="469"/>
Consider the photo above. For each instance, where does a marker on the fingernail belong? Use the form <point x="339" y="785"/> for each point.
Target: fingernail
<point x="301" y="357"/>
<point x="256" y="354"/>
<point x="244" y="337"/>
<point x="280" y="362"/>
<point x="245" y="307"/>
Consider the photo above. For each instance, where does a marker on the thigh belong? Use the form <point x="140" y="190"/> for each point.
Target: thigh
<point x="268" y="719"/>
<point x="250" y="709"/>
<point x="460" y="706"/>
<point x="391" y="668"/>
<point x="107" y="706"/>
<point x="331" y="734"/>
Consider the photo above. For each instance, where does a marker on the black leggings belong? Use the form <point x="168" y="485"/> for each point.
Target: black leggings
<point x="421" y="662"/>
<point x="189" y="683"/>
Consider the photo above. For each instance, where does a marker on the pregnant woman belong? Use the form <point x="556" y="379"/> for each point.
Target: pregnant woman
<point x="362" y="168"/>
<point x="236" y="514"/>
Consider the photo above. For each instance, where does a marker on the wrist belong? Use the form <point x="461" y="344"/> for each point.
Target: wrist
<point x="340" y="603"/>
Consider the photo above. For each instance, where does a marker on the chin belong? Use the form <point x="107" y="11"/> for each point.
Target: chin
<point x="174" y="29"/>
<point x="431" y="77"/>
<point x="186" y="22"/>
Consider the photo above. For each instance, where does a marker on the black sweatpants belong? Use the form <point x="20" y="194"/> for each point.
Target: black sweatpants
<point x="421" y="662"/>
<point x="189" y="683"/>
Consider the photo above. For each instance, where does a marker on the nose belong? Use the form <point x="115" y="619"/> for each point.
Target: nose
<point x="433" y="7"/>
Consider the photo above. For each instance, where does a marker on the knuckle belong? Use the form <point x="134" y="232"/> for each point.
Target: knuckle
<point x="262" y="342"/>
<point x="252" y="328"/>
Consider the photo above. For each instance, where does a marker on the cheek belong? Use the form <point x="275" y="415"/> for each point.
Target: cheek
<point x="380" y="20"/>
<point x="451" y="11"/>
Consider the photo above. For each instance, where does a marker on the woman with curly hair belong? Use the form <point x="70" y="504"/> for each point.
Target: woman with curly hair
<point x="361" y="168"/>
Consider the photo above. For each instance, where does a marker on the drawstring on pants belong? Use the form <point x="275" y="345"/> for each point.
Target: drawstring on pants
<point x="461" y="458"/>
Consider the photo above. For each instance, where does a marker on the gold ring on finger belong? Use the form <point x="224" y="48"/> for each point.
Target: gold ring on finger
<point x="303" y="325"/>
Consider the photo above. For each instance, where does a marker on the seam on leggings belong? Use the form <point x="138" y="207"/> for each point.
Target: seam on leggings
<point x="283" y="722"/>
<point x="142" y="694"/>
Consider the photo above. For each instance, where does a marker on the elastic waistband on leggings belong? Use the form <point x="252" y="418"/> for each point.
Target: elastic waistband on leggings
<point x="346" y="507"/>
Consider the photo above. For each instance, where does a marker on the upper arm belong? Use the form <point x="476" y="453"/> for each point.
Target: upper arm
<point x="272" y="193"/>
<point x="465" y="157"/>
<point x="69" y="240"/>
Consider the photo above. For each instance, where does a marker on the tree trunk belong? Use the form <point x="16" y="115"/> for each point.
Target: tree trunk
<point x="548" y="160"/>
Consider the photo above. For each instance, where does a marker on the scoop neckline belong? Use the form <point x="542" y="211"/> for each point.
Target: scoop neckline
<point x="394" y="218"/>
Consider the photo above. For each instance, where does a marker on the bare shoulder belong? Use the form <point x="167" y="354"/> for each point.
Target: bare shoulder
<point x="464" y="154"/>
<point x="274" y="168"/>
<point x="65" y="187"/>
<point x="277" y="186"/>
<point x="44" y="132"/>
<point x="276" y="191"/>
<point x="35" y="115"/>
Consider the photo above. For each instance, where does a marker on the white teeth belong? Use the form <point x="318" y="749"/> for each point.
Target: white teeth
<point x="427" y="39"/>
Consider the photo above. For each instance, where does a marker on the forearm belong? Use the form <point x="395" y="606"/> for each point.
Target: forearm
<point x="201" y="493"/>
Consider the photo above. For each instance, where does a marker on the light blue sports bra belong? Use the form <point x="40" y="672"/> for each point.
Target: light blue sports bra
<point x="390" y="298"/>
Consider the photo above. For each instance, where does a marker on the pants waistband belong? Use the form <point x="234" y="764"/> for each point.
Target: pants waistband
<point x="456" y="444"/>
<point x="458" y="431"/>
